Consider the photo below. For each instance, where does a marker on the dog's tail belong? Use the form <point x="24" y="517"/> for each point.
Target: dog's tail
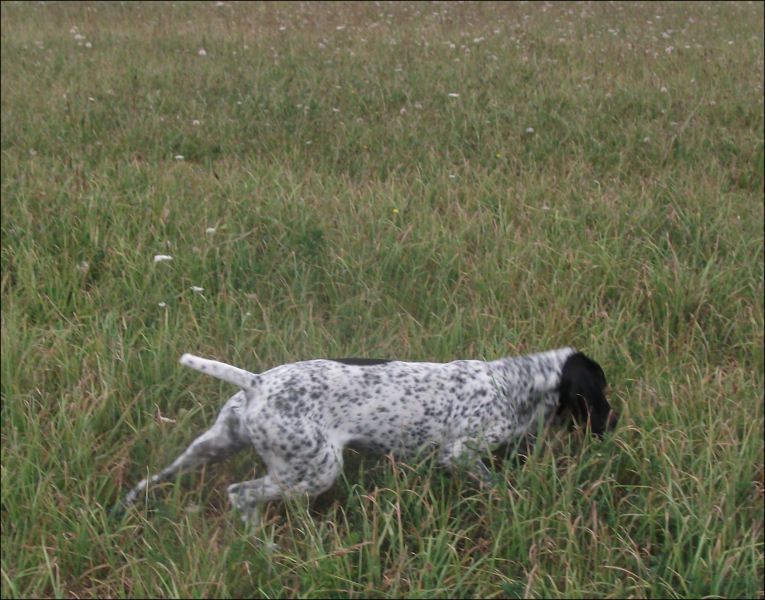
<point x="238" y="377"/>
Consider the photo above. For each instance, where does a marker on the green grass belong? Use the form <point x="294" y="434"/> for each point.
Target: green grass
<point x="361" y="210"/>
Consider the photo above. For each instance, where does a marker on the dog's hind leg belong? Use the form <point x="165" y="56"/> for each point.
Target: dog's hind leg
<point x="309" y="470"/>
<point x="217" y="443"/>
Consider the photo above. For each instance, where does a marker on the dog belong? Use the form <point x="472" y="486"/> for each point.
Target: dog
<point x="298" y="417"/>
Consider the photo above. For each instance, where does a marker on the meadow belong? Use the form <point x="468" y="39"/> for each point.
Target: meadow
<point x="425" y="181"/>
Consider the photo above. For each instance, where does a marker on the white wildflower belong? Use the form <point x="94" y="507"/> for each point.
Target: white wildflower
<point x="162" y="258"/>
<point x="453" y="95"/>
<point x="196" y="288"/>
<point x="202" y="52"/>
<point x="210" y="230"/>
<point x="162" y="305"/>
<point x="529" y="130"/>
<point x="178" y="157"/>
<point x="195" y="122"/>
<point x="88" y="45"/>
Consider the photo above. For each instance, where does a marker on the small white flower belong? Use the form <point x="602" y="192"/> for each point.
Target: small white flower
<point x="196" y="288"/>
<point x="162" y="305"/>
<point x="336" y="110"/>
<point x="202" y="52"/>
<point x="83" y="266"/>
<point x="529" y="130"/>
<point x="32" y="152"/>
<point x="418" y="105"/>
<point x="478" y="40"/>
<point x="340" y="27"/>
<point x="453" y="95"/>
<point x="178" y="157"/>
<point x="91" y="99"/>
<point x="402" y="111"/>
<point x="282" y="28"/>
<point x="452" y="176"/>
<point x="646" y="140"/>
<point x="73" y="29"/>
<point x="162" y="258"/>
<point x="88" y="45"/>
<point x="79" y="37"/>
<point x="210" y="230"/>
<point x="195" y="122"/>
<point x="669" y="49"/>
<point x="309" y="142"/>
<point x="663" y="90"/>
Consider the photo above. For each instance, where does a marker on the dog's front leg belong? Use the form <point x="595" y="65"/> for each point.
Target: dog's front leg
<point x="461" y="454"/>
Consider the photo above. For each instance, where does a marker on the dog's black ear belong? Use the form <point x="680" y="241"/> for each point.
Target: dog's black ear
<point x="583" y="393"/>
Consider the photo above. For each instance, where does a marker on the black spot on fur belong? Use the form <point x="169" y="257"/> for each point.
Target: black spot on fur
<point x="361" y="362"/>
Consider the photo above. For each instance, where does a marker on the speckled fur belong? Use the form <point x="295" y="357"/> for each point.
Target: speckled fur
<point x="300" y="416"/>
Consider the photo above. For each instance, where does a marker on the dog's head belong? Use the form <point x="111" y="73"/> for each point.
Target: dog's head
<point x="583" y="394"/>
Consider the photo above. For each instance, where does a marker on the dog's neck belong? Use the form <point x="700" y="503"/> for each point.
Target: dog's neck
<point x="532" y="375"/>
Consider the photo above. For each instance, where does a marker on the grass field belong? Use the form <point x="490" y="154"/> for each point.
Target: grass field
<point x="411" y="180"/>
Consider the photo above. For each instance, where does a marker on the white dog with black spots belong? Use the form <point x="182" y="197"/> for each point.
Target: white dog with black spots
<point x="298" y="417"/>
